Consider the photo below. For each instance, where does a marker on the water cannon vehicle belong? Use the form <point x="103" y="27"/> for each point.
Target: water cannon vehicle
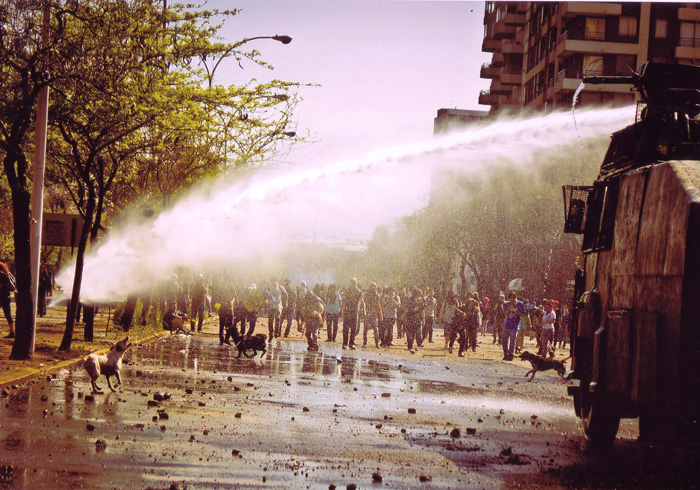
<point x="635" y="328"/>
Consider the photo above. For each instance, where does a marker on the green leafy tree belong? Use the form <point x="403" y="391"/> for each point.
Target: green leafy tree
<point x="26" y="68"/>
<point x="131" y="81"/>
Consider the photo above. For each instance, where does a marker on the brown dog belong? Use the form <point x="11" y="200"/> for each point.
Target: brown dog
<point x="109" y="365"/>
<point x="539" y="363"/>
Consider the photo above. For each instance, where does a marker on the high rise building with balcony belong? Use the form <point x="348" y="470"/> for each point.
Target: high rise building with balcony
<point x="542" y="50"/>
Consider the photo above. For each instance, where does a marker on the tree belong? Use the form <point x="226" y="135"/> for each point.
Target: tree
<point x="130" y="81"/>
<point x="26" y="67"/>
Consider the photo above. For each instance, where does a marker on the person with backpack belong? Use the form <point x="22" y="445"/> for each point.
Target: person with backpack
<point x="7" y="287"/>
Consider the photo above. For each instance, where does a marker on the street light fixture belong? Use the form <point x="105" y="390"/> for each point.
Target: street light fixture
<point x="284" y="39"/>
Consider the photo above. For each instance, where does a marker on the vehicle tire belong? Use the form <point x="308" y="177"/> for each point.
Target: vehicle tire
<point x="600" y="420"/>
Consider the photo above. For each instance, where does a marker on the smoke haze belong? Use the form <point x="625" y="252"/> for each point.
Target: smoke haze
<point x="259" y="217"/>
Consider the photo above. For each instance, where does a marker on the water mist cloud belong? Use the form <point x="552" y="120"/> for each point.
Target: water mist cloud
<point x="258" y="217"/>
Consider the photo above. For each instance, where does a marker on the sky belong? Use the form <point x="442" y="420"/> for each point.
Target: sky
<point x="383" y="67"/>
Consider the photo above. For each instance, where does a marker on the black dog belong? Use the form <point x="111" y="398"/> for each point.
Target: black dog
<point x="248" y="346"/>
<point x="539" y="363"/>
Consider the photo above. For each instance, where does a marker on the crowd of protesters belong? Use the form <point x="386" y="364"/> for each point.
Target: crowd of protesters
<point x="383" y="316"/>
<point x="386" y="315"/>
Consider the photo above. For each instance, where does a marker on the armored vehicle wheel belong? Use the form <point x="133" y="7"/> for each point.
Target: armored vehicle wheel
<point x="249" y="352"/>
<point x="600" y="420"/>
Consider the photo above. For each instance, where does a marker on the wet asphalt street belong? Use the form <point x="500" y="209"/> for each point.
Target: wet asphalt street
<point x="191" y="415"/>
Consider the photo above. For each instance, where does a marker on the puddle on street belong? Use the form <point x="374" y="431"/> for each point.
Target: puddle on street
<point x="361" y="394"/>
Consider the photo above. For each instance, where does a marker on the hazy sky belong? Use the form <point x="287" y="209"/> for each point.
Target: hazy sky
<point x="384" y="67"/>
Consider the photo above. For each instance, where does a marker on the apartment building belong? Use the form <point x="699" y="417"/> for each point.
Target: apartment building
<point x="542" y="50"/>
<point x="451" y="119"/>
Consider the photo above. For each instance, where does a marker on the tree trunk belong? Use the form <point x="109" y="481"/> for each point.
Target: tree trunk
<point x="462" y="275"/>
<point x="24" y="314"/>
<point x="78" y="278"/>
<point x="128" y="312"/>
<point x="89" y="321"/>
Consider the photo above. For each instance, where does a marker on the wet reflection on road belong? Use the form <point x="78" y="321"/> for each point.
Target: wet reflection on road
<point x="289" y="411"/>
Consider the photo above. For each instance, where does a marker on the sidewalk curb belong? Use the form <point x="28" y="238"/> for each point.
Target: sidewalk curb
<point x="55" y="368"/>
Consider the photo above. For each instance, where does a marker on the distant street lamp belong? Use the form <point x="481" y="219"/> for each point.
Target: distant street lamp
<point x="210" y="74"/>
<point x="282" y="39"/>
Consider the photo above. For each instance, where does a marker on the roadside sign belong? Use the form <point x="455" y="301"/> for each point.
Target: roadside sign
<point x="61" y="230"/>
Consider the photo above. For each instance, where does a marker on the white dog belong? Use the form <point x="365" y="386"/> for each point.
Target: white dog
<point x="109" y="365"/>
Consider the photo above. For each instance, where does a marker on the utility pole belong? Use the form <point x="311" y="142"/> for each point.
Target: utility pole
<point x="42" y="116"/>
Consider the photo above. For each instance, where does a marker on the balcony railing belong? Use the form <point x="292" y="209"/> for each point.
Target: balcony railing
<point x="583" y="35"/>
<point x="690" y="42"/>
<point x="578" y="73"/>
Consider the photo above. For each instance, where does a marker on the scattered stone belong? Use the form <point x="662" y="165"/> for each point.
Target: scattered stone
<point x="235" y="452"/>
<point x="250" y="384"/>
<point x="480" y="420"/>
<point x="403" y="431"/>
<point x="471" y="431"/>
<point x="90" y="427"/>
<point x="89" y="398"/>
<point x="386" y="395"/>
<point x="351" y="486"/>
<point x="201" y="404"/>
<point x="455" y="433"/>
<point x="192" y="438"/>
<point x="236" y="388"/>
<point x="305" y="409"/>
<point x="158" y="397"/>
<point x="205" y="432"/>
<point x="514" y="459"/>
<point x="533" y="417"/>
<point x="189" y="391"/>
<point x="379" y="426"/>
<point x="162" y="428"/>
<point x="100" y="445"/>
<point x="153" y="403"/>
<point x="331" y="486"/>
<point x="155" y="418"/>
<point x="163" y="415"/>
<point x="5" y="393"/>
<point x="507" y="452"/>
<point x="376" y="477"/>
<point x="425" y="478"/>
<point x="44" y="398"/>
<point x="411" y="410"/>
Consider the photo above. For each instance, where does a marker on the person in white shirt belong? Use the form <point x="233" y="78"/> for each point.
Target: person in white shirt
<point x="548" y="329"/>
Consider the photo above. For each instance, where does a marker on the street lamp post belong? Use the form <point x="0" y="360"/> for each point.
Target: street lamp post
<point x="284" y="39"/>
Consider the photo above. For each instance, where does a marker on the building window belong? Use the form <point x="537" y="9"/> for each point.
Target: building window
<point x="661" y="29"/>
<point x="628" y="26"/>
<point x="595" y="29"/>
<point x="592" y="65"/>
<point x="690" y="34"/>
<point x="625" y="64"/>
